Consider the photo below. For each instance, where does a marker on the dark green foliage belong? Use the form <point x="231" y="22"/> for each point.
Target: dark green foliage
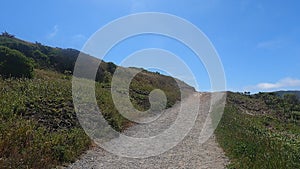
<point x="14" y="64"/>
<point x="41" y="59"/>
<point x="111" y="67"/>
<point x="62" y="59"/>
<point x="44" y="56"/>
<point x="291" y="99"/>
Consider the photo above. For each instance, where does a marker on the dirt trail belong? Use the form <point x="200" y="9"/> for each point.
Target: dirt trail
<point x="187" y="154"/>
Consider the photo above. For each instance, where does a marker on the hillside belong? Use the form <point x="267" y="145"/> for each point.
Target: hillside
<point x="261" y="130"/>
<point x="282" y="93"/>
<point x="39" y="127"/>
<point x="38" y="124"/>
<point x="63" y="61"/>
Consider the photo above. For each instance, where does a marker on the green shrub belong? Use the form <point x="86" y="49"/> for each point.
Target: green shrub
<point x="14" y="64"/>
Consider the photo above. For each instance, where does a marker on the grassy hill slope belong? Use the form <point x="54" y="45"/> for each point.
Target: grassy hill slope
<point x="261" y="131"/>
<point x="38" y="124"/>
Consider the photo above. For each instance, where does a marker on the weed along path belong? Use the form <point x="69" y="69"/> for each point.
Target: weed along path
<point x="188" y="153"/>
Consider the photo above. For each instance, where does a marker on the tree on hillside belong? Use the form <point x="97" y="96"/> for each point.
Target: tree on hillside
<point x="14" y="64"/>
<point x="5" y="34"/>
<point x="111" y="67"/>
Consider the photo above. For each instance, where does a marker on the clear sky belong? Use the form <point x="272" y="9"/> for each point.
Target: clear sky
<point x="258" y="41"/>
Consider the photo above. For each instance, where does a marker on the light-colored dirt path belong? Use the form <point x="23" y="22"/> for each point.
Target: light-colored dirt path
<point x="187" y="154"/>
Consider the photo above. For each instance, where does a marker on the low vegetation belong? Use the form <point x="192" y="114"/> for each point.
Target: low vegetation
<point x="14" y="64"/>
<point x="38" y="125"/>
<point x="261" y="131"/>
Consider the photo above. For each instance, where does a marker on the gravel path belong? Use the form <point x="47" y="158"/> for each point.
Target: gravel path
<point x="187" y="154"/>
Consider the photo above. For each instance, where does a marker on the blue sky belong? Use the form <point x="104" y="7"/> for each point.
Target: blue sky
<point x="258" y="42"/>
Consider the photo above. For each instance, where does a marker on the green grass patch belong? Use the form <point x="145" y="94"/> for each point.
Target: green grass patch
<point x="25" y="145"/>
<point x="38" y="125"/>
<point x="252" y="141"/>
